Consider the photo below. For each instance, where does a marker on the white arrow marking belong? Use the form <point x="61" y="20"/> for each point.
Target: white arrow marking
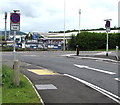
<point x="117" y="79"/>
<point x="90" y="68"/>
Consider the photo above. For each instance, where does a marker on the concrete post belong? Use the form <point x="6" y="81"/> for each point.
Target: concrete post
<point x="16" y="73"/>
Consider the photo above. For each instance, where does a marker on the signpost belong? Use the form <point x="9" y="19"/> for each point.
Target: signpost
<point x="15" y="26"/>
<point x="107" y="26"/>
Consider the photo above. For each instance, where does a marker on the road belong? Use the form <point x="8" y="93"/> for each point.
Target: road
<point x="102" y="74"/>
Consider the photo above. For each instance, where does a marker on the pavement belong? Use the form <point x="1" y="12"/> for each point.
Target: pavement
<point x="96" y="56"/>
<point x="55" y="88"/>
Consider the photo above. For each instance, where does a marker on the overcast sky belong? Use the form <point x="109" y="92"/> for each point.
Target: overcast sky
<point x="48" y="15"/>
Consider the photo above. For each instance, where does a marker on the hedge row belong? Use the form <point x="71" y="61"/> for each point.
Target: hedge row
<point x="93" y="41"/>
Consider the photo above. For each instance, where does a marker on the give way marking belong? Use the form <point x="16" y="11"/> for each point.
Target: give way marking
<point x="94" y="69"/>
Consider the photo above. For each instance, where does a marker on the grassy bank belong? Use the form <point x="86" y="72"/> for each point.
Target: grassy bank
<point x="21" y="94"/>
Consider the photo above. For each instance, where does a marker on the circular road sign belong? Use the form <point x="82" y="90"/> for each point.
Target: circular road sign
<point x="15" y="18"/>
<point x="107" y="24"/>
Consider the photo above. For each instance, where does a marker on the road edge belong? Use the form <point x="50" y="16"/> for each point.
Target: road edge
<point x="41" y="100"/>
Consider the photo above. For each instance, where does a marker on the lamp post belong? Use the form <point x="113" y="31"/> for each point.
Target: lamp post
<point x="64" y="26"/>
<point x="79" y="19"/>
<point x="5" y="26"/>
<point x="107" y="25"/>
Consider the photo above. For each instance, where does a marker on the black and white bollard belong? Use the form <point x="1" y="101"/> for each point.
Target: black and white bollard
<point x="117" y="52"/>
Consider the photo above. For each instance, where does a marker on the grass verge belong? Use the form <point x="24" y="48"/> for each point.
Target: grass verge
<point x="0" y="83"/>
<point x="24" y="93"/>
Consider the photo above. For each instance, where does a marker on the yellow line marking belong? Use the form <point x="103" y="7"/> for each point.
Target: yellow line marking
<point x="42" y="71"/>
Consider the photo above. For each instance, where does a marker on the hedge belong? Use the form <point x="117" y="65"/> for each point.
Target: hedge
<point x="93" y="41"/>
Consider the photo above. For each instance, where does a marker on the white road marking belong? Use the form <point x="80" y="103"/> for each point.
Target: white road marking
<point x="45" y="87"/>
<point x="30" y="55"/>
<point x="103" y="91"/>
<point x="41" y="100"/>
<point x="117" y="79"/>
<point x="94" y="69"/>
<point x="68" y="55"/>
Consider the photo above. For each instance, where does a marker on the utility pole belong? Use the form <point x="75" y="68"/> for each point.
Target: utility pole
<point x="79" y="19"/>
<point x="5" y="26"/>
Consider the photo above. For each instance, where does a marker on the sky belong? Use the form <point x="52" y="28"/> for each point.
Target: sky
<point x="48" y="15"/>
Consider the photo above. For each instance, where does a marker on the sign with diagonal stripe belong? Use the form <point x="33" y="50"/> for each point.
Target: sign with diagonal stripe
<point x="15" y="21"/>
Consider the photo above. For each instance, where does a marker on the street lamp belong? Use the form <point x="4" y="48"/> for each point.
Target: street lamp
<point x="107" y="25"/>
<point x="5" y="26"/>
<point x="64" y="26"/>
<point x="79" y="19"/>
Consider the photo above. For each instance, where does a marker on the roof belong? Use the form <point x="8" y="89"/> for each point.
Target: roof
<point x="12" y="33"/>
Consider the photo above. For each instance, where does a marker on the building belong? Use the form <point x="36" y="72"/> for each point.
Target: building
<point x="20" y="38"/>
<point x="56" y="40"/>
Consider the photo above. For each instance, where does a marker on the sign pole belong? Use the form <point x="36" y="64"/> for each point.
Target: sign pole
<point x="14" y="51"/>
<point x="107" y="45"/>
<point x="107" y="25"/>
<point x="15" y="26"/>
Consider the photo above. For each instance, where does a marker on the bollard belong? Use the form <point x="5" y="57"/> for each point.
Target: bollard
<point x="117" y="53"/>
<point x="16" y="73"/>
<point x="77" y="49"/>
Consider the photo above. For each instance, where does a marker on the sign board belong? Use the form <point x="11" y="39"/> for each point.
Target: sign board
<point x="107" y="24"/>
<point x="15" y="21"/>
<point x="107" y="29"/>
<point x="15" y="27"/>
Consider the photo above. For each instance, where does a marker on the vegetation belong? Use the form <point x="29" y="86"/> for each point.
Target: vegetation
<point x="114" y="28"/>
<point x="21" y="94"/>
<point x="93" y="41"/>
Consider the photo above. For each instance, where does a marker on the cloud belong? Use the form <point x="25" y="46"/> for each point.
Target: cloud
<point x="48" y="15"/>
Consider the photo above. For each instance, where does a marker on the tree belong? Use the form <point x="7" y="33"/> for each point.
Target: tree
<point x="72" y="43"/>
<point x="28" y="36"/>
